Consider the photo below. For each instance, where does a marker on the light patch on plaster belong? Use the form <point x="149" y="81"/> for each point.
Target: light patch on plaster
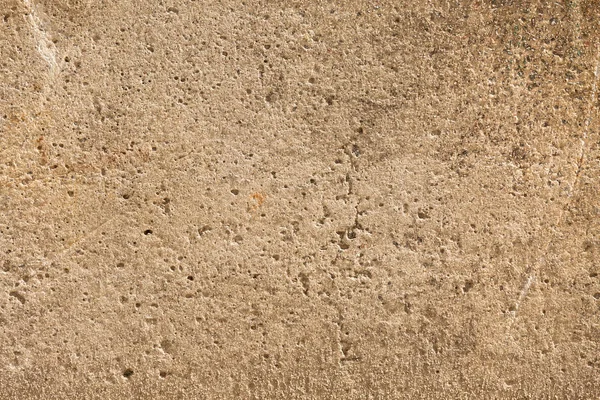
<point x="44" y="45"/>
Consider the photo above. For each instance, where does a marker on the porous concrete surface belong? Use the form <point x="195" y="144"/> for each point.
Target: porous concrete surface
<point x="299" y="199"/>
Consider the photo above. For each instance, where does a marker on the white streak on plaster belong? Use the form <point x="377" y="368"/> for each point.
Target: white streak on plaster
<point x="591" y="105"/>
<point x="588" y="120"/>
<point x="523" y="293"/>
<point x="44" y="45"/>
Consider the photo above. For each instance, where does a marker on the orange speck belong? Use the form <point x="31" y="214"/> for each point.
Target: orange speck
<point x="259" y="197"/>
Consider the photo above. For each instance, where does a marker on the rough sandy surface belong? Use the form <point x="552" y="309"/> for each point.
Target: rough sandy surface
<point x="299" y="200"/>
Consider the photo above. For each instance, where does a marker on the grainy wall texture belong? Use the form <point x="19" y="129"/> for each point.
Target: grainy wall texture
<point x="299" y="199"/>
